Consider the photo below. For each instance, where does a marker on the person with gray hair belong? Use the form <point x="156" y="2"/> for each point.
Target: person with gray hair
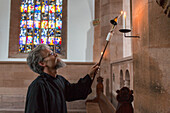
<point x="49" y="92"/>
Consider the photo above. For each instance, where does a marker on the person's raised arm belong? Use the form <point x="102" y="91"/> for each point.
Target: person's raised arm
<point x="82" y="88"/>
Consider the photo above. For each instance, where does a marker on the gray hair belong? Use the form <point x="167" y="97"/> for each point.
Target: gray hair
<point x="35" y="56"/>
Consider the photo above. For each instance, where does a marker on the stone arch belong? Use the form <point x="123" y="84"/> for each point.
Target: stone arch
<point x="127" y="79"/>
<point x="113" y="81"/>
<point x="113" y="77"/>
<point x="121" y="79"/>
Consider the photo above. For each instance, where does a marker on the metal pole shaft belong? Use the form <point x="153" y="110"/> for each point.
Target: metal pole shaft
<point x="103" y="53"/>
<point x="100" y="59"/>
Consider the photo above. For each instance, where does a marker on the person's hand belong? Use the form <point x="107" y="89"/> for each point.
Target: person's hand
<point x="93" y="70"/>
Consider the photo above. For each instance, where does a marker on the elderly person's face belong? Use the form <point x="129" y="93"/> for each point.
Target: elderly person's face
<point x="51" y="59"/>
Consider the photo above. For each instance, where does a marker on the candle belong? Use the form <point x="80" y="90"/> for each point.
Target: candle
<point x="124" y="20"/>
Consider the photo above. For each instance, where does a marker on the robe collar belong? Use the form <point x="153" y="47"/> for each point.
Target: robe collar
<point x="48" y="76"/>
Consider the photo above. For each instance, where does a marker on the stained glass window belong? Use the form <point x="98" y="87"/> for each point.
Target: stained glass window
<point x="41" y="23"/>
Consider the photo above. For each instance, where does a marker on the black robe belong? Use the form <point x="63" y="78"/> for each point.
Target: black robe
<point x="48" y="94"/>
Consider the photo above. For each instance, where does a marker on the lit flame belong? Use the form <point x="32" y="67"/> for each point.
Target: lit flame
<point x="121" y="12"/>
<point x="124" y="14"/>
<point x="101" y="53"/>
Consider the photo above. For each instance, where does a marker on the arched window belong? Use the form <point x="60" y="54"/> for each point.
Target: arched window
<point x="41" y="23"/>
<point x="121" y="79"/>
<point x="113" y="81"/>
<point x="38" y="22"/>
<point x="127" y="79"/>
<point x="113" y="77"/>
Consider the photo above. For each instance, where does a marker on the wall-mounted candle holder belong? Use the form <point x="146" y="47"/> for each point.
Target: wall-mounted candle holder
<point x="127" y="31"/>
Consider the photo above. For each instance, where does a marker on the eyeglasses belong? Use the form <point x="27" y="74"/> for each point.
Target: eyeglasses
<point x="51" y="53"/>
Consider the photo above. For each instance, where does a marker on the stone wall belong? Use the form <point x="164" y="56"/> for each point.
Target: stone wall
<point x="151" y="52"/>
<point x="124" y="68"/>
<point x="15" y="78"/>
<point x="151" y="55"/>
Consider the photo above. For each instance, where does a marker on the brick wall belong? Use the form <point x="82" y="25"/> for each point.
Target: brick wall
<point x="15" y="78"/>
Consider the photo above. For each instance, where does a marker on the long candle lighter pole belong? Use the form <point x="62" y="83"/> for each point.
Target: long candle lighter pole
<point x="108" y="40"/>
<point x="114" y="22"/>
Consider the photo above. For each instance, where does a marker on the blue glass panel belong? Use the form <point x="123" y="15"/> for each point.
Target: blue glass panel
<point x="29" y="40"/>
<point x="44" y="32"/>
<point x="51" y="8"/>
<point x="29" y="43"/>
<point x="51" y="40"/>
<point x="24" y="1"/>
<point x="37" y="8"/>
<point x="36" y="45"/>
<point x="23" y="23"/>
<point x="52" y="24"/>
<point x="58" y="40"/>
<point x="59" y="2"/>
<point x="38" y="1"/>
<point x="51" y="1"/>
<point x="58" y="16"/>
<point x="51" y="16"/>
<point x="58" y="9"/>
<point x="30" y="16"/>
<point x="28" y="48"/>
<point x="44" y="24"/>
<point x="58" y="49"/>
<point x="21" y="48"/>
<point x="45" y="16"/>
<point x="43" y="40"/>
<point x="37" y="32"/>
<point x="23" y="16"/>
<point x="31" y="2"/>
<point x="30" y="8"/>
<point x="58" y="33"/>
<point x="37" y="16"/>
<point x="45" y="2"/>
<point x="22" y="40"/>
<point x="23" y="32"/>
<point x="44" y="8"/>
<point x="24" y="8"/>
<point x="29" y="32"/>
<point x="51" y="32"/>
<point x="29" y="24"/>
<point x="51" y="47"/>
<point x="36" y="40"/>
<point x="58" y="24"/>
<point x="36" y="24"/>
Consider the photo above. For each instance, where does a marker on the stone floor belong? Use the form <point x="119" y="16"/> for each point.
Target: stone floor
<point x="93" y="107"/>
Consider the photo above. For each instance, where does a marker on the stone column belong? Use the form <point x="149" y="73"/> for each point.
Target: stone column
<point x="151" y="57"/>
